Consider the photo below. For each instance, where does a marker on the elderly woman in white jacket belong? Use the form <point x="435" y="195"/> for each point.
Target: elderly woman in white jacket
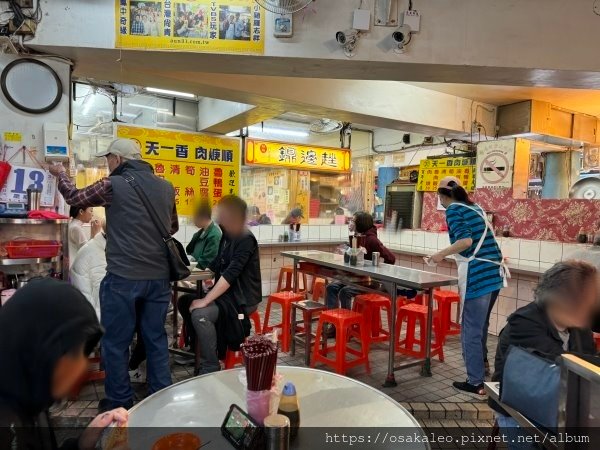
<point x="89" y="268"/>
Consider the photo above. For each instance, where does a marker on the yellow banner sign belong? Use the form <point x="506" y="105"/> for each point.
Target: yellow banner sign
<point x="199" y="166"/>
<point x="321" y="159"/>
<point x="431" y="171"/>
<point x="223" y="26"/>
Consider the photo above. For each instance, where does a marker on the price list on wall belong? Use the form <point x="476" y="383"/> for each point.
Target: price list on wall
<point x="199" y="166"/>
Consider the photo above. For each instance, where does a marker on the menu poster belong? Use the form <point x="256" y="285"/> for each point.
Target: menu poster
<point x="431" y="171"/>
<point x="223" y="26"/>
<point x="199" y="166"/>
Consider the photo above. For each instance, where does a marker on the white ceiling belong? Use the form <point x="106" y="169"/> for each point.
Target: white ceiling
<point x="579" y="100"/>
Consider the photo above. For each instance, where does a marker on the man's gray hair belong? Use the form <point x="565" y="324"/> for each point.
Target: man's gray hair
<point x="564" y="281"/>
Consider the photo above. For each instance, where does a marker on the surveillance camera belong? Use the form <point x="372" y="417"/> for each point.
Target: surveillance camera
<point x="401" y="38"/>
<point x="347" y="37"/>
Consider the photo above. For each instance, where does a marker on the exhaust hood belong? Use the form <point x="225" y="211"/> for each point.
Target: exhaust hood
<point x="544" y="122"/>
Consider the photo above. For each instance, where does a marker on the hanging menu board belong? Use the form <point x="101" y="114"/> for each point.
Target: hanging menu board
<point x="223" y="26"/>
<point x="199" y="166"/>
<point x="431" y="171"/>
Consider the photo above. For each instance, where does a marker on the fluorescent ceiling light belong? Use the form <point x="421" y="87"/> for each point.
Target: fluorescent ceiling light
<point x="278" y="131"/>
<point x="168" y="92"/>
<point x="153" y="108"/>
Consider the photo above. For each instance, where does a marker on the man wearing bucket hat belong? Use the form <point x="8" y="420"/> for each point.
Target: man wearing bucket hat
<point x="137" y="265"/>
<point x="481" y="275"/>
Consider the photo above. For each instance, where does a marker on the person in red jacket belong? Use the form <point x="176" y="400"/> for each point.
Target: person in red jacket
<point x="340" y="295"/>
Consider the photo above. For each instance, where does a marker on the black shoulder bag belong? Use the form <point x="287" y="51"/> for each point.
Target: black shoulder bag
<point x="178" y="260"/>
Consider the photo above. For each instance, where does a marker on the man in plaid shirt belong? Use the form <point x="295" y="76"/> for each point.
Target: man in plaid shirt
<point x="137" y="284"/>
<point x="137" y="26"/>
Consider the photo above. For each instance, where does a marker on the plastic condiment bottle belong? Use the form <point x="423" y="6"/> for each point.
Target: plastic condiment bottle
<point x="288" y="406"/>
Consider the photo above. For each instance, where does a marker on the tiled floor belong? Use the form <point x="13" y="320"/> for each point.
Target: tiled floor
<point x="413" y="390"/>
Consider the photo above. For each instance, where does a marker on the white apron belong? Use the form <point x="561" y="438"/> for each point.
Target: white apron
<point x="463" y="263"/>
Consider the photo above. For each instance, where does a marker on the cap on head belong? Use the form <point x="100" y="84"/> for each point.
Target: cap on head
<point x="125" y="148"/>
<point x="296" y="212"/>
<point x="445" y="182"/>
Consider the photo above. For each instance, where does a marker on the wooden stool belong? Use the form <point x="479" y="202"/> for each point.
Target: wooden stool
<point x="412" y="313"/>
<point x="318" y="288"/>
<point x="343" y="320"/>
<point x="370" y="306"/>
<point x="285" y="300"/>
<point x="286" y="273"/>
<point x="444" y="301"/>
<point x="310" y="313"/>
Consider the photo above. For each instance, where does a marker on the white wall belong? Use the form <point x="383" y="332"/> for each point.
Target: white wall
<point x="536" y="34"/>
<point x="30" y="125"/>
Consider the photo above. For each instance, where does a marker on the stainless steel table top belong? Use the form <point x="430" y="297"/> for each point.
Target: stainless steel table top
<point x="326" y="400"/>
<point x="411" y="278"/>
<point x="200" y="275"/>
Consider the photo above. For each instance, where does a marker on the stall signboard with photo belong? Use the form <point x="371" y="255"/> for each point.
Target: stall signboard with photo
<point x="293" y="156"/>
<point x="199" y="166"/>
<point x="223" y="26"/>
<point x="431" y="171"/>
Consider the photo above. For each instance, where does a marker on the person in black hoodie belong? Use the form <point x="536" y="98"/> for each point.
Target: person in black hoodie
<point x="556" y="322"/>
<point x="42" y="358"/>
<point x="237" y="288"/>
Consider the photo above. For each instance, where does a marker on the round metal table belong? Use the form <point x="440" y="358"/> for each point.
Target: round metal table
<point x="326" y="400"/>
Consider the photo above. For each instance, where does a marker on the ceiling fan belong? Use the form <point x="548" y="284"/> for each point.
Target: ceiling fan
<point x="325" y="126"/>
<point x="284" y="6"/>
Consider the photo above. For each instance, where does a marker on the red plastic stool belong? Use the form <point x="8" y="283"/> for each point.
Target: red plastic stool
<point x="444" y="301"/>
<point x="343" y="320"/>
<point x="286" y="273"/>
<point x="412" y="313"/>
<point x="318" y="289"/>
<point x="597" y="339"/>
<point x="285" y="300"/>
<point x="370" y="306"/>
<point x="234" y="358"/>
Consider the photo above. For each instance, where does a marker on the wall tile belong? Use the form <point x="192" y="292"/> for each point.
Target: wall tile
<point x="510" y="248"/>
<point x="569" y="249"/>
<point x="180" y="235"/>
<point x="325" y="232"/>
<point x="417" y="266"/>
<point x="312" y="231"/>
<point x="511" y="290"/>
<point x="525" y="290"/>
<point x="431" y="240"/>
<point x="277" y="230"/>
<point x="418" y="239"/>
<point x="506" y="305"/>
<point x="529" y="250"/>
<point x="406" y="238"/>
<point x="266" y="233"/>
<point x="443" y="241"/>
<point x="550" y="252"/>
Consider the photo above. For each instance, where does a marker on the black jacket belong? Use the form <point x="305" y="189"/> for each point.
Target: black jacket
<point x="238" y="262"/>
<point x="59" y="320"/>
<point x="529" y="327"/>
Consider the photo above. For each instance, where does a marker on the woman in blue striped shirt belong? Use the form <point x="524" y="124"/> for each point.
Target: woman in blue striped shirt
<point x="481" y="275"/>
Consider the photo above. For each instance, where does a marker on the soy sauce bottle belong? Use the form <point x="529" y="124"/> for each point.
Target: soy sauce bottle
<point x="288" y="406"/>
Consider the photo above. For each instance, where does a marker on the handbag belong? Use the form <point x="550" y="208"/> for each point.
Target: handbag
<point x="531" y="385"/>
<point x="178" y="260"/>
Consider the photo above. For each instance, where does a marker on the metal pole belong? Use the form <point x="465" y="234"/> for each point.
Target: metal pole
<point x="295" y="276"/>
<point x="426" y="368"/>
<point x="390" y="379"/>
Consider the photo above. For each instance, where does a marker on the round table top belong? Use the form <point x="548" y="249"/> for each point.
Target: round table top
<point x="326" y="400"/>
